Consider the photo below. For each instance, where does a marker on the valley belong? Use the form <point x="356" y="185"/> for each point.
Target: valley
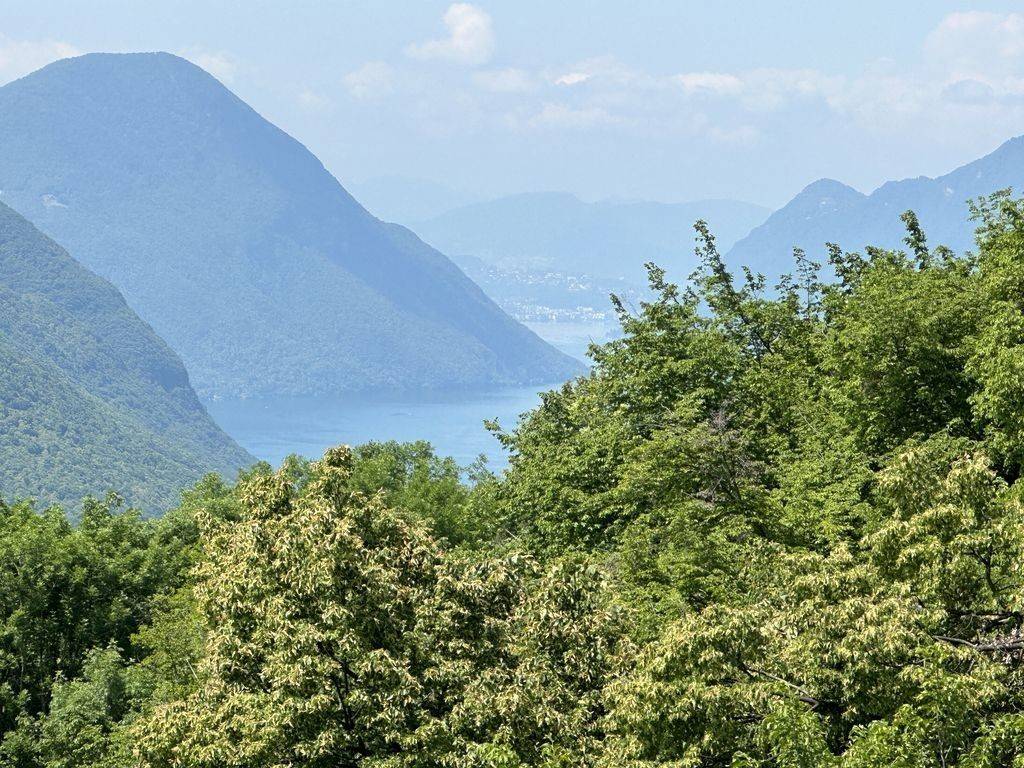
<point x="463" y="385"/>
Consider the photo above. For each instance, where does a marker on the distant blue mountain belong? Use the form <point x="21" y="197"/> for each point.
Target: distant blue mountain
<point x="828" y="211"/>
<point x="611" y="239"/>
<point x="237" y="246"/>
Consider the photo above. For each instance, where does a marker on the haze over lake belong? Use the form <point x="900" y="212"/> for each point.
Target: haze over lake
<point x="273" y="428"/>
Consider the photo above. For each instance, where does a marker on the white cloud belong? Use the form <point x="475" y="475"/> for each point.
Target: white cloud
<point x="771" y="89"/>
<point x="967" y="80"/>
<point x="717" y="83"/>
<point x="470" y="37"/>
<point x="600" y="69"/>
<point x="19" y="57"/>
<point x="371" y="81"/>
<point x="765" y="89"/>
<point x="504" y="80"/>
<point x="975" y="60"/>
<point x="974" y="43"/>
<point x="572" y="78"/>
<point x="968" y="91"/>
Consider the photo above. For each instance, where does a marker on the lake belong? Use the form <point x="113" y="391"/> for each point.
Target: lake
<point x="272" y="428"/>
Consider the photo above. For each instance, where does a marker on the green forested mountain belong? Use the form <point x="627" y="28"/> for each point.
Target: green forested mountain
<point x="236" y="245"/>
<point x="91" y="399"/>
<point x="781" y="529"/>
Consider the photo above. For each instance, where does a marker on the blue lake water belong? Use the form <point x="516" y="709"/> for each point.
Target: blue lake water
<point x="273" y="428"/>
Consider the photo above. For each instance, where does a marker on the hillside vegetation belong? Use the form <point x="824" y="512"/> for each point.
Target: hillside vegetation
<point x="769" y="529"/>
<point x="234" y="242"/>
<point x="90" y="398"/>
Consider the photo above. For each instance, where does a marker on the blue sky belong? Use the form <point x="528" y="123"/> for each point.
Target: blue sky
<point x="657" y="100"/>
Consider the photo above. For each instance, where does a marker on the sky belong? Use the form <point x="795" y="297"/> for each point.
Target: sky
<point x="650" y="99"/>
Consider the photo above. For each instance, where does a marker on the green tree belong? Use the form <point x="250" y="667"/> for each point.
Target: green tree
<point x="337" y="632"/>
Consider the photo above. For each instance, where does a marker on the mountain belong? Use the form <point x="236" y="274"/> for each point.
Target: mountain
<point x="611" y="239"/>
<point x="828" y="211"/>
<point x="232" y="240"/>
<point x="90" y="398"/>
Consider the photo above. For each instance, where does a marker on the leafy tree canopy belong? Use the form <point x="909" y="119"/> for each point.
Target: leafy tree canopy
<point x="775" y="526"/>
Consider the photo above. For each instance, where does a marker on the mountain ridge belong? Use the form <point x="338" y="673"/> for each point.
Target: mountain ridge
<point x="256" y="265"/>
<point x="858" y="220"/>
<point x="90" y="398"/>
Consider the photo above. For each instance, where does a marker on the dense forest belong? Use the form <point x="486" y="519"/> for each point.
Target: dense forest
<point x="775" y="526"/>
<point x="90" y="397"/>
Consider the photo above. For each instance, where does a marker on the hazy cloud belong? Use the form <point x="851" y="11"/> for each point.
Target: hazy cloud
<point x="470" y="37"/>
<point x="600" y="70"/>
<point x="718" y="83"/>
<point x="19" y="57"/>
<point x="371" y="81"/>
<point x="977" y="43"/>
<point x="313" y="100"/>
<point x="744" y="135"/>
<point x="504" y="80"/>
<point x="219" y="64"/>
<point x="968" y="91"/>
<point x="967" y="79"/>
<point x="564" y="116"/>
<point x="572" y="78"/>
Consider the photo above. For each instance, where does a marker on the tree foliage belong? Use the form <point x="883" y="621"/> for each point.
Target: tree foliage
<point x="773" y="527"/>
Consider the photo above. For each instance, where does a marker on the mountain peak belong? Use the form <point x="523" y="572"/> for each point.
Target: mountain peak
<point x="237" y="245"/>
<point x="829" y="188"/>
<point x="138" y="91"/>
<point x="125" y="62"/>
<point x="1014" y="144"/>
<point x="823" y="196"/>
<point x="991" y="169"/>
<point x="829" y="211"/>
<point x="122" y="69"/>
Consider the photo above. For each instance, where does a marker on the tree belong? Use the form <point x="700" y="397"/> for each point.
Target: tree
<point x="337" y="632"/>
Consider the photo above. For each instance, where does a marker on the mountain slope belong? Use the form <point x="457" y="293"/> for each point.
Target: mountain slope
<point x="90" y="398"/>
<point x="236" y="245"/>
<point x="827" y="211"/>
<point x="557" y="231"/>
